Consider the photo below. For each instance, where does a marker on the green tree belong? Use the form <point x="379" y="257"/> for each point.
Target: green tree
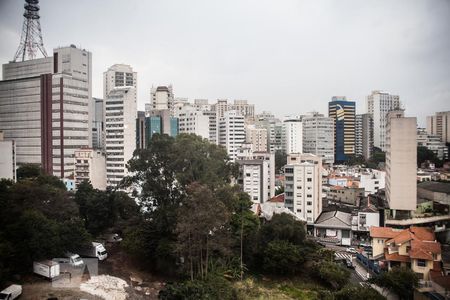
<point x="424" y="154"/>
<point x="27" y="171"/>
<point x="283" y="227"/>
<point x="400" y="280"/>
<point x="331" y="273"/>
<point x="202" y="230"/>
<point x="282" y="257"/>
<point x="351" y="292"/>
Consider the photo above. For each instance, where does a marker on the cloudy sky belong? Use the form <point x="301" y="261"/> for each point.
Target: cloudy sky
<point x="289" y="57"/>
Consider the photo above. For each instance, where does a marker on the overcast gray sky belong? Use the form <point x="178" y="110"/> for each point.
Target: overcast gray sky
<point x="289" y="57"/>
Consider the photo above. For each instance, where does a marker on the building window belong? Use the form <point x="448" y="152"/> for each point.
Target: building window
<point x="421" y="263"/>
<point x="309" y="179"/>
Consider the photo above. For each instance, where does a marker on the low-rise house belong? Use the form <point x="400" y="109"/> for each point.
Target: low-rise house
<point x="415" y="248"/>
<point x="346" y="195"/>
<point x="334" y="226"/>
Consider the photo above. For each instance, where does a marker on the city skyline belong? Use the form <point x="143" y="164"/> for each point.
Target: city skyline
<point x="246" y="52"/>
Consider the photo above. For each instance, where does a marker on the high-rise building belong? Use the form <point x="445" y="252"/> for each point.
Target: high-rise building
<point x="364" y="135"/>
<point x="161" y="98"/>
<point x="318" y="136"/>
<point x="98" y="124"/>
<point x="246" y="110"/>
<point x="274" y="129"/>
<point x="231" y="132"/>
<point x="46" y="108"/>
<point x="378" y="105"/>
<point x="157" y="122"/>
<point x="343" y="113"/>
<point x="256" y="173"/>
<point x="7" y="159"/>
<point x="303" y="186"/>
<point x="257" y="137"/>
<point x="194" y="121"/>
<point x="401" y="162"/>
<point x="292" y="135"/>
<point x="120" y="132"/>
<point x="439" y="124"/>
<point x="432" y="143"/>
<point x="118" y="75"/>
<point x="90" y="165"/>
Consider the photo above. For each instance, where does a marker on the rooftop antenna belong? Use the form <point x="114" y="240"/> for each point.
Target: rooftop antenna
<point x="31" y="38"/>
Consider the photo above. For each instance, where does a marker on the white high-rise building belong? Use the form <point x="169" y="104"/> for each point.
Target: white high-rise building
<point x="120" y="132"/>
<point x="120" y="113"/>
<point x="118" y="75"/>
<point x="378" y="105"/>
<point x="293" y="135"/>
<point x="193" y="121"/>
<point x="162" y="98"/>
<point x="318" y="136"/>
<point x="303" y="186"/>
<point x="401" y="162"/>
<point x="90" y="165"/>
<point x="256" y="173"/>
<point x="46" y="108"/>
<point x="231" y="132"/>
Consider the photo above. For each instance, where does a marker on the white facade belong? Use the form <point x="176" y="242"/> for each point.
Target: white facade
<point x="318" y="136"/>
<point x="231" y="132"/>
<point x="401" y="162"/>
<point x="90" y="165"/>
<point x="378" y="105"/>
<point x="120" y="132"/>
<point x="193" y="121"/>
<point x="7" y="159"/>
<point x="118" y="75"/>
<point x="372" y="181"/>
<point x="303" y="186"/>
<point x="293" y="136"/>
<point x="364" y="135"/>
<point x="161" y="98"/>
<point x="256" y="173"/>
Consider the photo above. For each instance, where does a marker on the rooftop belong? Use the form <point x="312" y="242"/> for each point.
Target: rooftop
<point x="434" y="186"/>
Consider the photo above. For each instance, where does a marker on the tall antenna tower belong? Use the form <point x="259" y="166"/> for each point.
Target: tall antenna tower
<point x="31" y="39"/>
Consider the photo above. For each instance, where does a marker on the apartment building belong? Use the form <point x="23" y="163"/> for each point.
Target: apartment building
<point x="90" y="165"/>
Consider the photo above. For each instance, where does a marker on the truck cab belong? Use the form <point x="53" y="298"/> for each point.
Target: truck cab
<point x="100" y="251"/>
<point x="11" y="292"/>
<point x="74" y="259"/>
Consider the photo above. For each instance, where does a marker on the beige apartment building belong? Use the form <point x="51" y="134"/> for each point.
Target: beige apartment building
<point x="401" y="160"/>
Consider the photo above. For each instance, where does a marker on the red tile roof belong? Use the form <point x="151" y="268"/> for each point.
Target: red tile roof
<point x="423" y="233"/>
<point x="278" y="198"/>
<point x="382" y="232"/>
<point x="428" y="246"/>
<point x="418" y="253"/>
<point x="396" y="257"/>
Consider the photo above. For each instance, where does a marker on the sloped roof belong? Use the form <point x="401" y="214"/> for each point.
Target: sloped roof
<point x="396" y="257"/>
<point x="382" y="232"/>
<point x="418" y="253"/>
<point x="334" y="218"/>
<point x="423" y="233"/>
<point x="402" y="237"/>
<point x="428" y="246"/>
<point x="277" y="199"/>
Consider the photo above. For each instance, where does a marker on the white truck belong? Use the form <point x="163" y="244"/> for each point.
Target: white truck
<point x="11" y="292"/>
<point x="47" y="268"/>
<point x="94" y="250"/>
<point x="74" y="259"/>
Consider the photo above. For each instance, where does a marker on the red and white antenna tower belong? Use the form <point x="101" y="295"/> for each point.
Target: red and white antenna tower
<point x="31" y="39"/>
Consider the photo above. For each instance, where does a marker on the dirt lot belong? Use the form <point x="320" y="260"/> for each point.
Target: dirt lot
<point x="142" y="285"/>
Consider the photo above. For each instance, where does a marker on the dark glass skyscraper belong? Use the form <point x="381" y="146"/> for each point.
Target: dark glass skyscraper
<point x="343" y="114"/>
